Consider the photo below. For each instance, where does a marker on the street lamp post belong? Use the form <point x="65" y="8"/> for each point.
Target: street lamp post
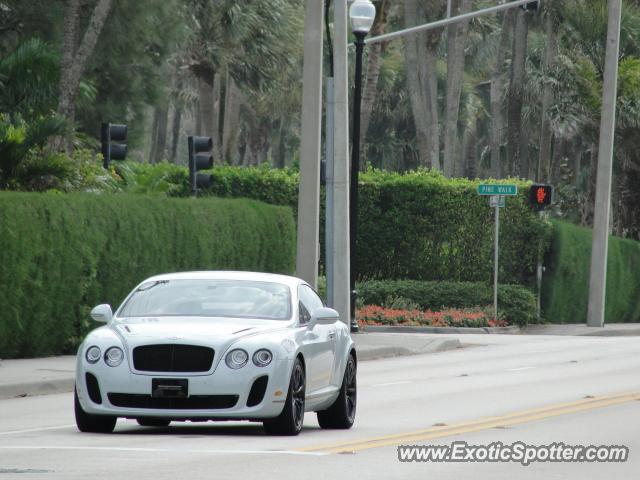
<point x="362" y="14"/>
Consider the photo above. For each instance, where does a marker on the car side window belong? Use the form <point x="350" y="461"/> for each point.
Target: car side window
<point x="304" y="314"/>
<point x="310" y="299"/>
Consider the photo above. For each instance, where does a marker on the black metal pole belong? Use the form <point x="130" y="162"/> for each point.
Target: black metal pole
<point x="355" y="170"/>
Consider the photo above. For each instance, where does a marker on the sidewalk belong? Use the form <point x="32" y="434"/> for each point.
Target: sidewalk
<point x="42" y="376"/>
<point x="581" y="329"/>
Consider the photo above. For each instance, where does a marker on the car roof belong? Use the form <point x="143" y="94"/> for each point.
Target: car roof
<point x="290" y="281"/>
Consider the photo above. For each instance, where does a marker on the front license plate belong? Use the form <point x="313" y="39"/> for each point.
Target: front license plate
<point x="169" y="388"/>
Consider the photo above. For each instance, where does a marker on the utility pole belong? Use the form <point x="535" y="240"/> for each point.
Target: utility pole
<point x="602" y="211"/>
<point x="310" y="145"/>
<point x="341" y="295"/>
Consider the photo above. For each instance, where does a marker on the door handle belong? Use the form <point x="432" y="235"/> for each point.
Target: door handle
<point x="332" y="334"/>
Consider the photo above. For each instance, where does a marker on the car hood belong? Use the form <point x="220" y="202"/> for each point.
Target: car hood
<point x="217" y="333"/>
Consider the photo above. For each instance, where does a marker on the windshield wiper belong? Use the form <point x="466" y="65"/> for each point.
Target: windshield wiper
<point x="144" y="288"/>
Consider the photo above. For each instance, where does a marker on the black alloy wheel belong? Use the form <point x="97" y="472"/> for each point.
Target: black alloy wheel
<point x="342" y="413"/>
<point x="290" y="421"/>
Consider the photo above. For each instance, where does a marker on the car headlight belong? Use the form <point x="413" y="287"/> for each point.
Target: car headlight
<point x="262" y="358"/>
<point x="236" y="358"/>
<point x="113" y="356"/>
<point x="92" y="354"/>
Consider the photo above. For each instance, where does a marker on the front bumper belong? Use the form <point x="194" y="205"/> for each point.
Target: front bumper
<point x="209" y="396"/>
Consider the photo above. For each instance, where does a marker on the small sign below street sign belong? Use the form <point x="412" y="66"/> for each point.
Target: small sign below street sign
<point x="494" y="189"/>
<point x="496" y="201"/>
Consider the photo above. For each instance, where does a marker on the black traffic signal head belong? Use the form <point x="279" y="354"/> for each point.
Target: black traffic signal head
<point x="113" y="132"/>
<point x="200" y="158"/>
<point x="541" y="196"/>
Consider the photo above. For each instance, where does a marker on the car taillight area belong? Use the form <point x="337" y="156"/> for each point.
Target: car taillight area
<point x="172" y="358"/>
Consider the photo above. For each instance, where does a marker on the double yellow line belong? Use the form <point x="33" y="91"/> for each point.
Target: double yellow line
<point x="486" y="423"/>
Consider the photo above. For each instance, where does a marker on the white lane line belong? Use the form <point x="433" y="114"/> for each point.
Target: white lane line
<point x="390" y="383"/>
<point x="164" y="450"/>
<point x="519" y="369"/>
<point x="41" y="429"/>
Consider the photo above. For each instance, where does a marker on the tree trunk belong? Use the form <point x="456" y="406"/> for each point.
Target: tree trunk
<point x="370" y="88"/>
<point x="217" y="137"/>
<point x="70" y="34"/>
<point x="278" y="145"/>
<point x="544" y="158"/>
<point x="205" y="100"/>
<point x="456" y="40"/>
<point x="175" y="131"/>
<point x="497" y="87"/>
<point x="161" y="137"/>
<point x="416" y="95"/>
<point x="577" y="160"/>
<point x="70" y="77"/>
<point x="471" y="152"/>
<point x="514" y="114"/>
<point x="231" y="124"/>
<point x="421" y="55"/>
<point x="153" y="151"/>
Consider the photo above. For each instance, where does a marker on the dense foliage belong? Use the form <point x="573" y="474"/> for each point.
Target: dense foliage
<point x="62" y="254"/>
<point x="566" y="280"/>
<point x="418" y="224"/>
<point x="516" y="304"/>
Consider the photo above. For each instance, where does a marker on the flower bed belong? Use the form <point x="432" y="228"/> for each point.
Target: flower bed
<point x="471" y="317"/>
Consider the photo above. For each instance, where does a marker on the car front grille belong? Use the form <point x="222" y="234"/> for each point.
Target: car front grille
<point x="172" y="358"/>
<point x="194" y="402"/>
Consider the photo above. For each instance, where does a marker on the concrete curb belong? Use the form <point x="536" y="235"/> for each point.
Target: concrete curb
<point x="30" y="389"/>
<point x="511" y="330"/>
<point x="438" y="345"/>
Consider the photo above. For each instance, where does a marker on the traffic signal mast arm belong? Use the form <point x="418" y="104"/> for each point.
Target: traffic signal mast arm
<point x="528" y="5"/>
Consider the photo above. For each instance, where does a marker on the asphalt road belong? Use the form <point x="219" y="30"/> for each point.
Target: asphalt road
<point x="534" y="389"/>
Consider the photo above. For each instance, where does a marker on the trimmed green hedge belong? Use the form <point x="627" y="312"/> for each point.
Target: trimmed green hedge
<point x="62" y="254"/>
<point x="565" y="291"/>
<point x="515" y="303"/>
<point x="416" y="225"/>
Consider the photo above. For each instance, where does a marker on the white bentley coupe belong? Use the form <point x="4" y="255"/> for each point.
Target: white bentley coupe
<point x="200" y="346"/>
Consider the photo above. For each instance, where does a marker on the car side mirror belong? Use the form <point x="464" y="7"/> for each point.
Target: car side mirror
<point x="102" y="313"/>
<point x="323" y="316"/>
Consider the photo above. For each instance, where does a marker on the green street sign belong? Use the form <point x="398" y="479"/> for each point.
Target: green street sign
<point x="488" y="189"/>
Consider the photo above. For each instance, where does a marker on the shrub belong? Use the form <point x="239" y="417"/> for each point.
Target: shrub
<point x="62" y="254"/>
<point x="475" y="318"/>
<point x="516" y="304"/>
<point x="416" y="225"/>
<point x="565" y="286"/>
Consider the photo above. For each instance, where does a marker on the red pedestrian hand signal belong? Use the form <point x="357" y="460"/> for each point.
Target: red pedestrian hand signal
<point x="540" y="195"/>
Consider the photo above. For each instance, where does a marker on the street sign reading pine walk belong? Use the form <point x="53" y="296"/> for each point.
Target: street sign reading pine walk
<point x="495" y="189"/>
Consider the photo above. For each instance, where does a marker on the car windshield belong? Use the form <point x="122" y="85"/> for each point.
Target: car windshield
<point x="209" y="298"/>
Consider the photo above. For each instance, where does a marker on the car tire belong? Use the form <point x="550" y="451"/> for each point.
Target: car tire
<point x="153" y="422"/>
<point x="86" y="422"/>
<point x="290" y="421"/>
<point x="342" y="413"/>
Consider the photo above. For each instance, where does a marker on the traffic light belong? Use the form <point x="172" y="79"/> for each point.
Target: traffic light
<point x="113" y="132"/>
<point x="541" y="196"/>
<point x="200" y="158"/>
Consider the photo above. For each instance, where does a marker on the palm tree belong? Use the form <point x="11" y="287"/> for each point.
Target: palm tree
<point x="29" y="76"/>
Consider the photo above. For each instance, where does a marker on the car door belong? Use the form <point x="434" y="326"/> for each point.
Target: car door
<point x="321" y="342"/>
